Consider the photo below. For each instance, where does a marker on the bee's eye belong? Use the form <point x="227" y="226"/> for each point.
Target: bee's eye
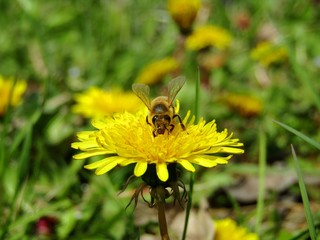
<point x="167" y="118"/>
<point x="155" y="118"/>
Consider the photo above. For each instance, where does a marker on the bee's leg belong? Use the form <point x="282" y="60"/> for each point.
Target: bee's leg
<point x="147" y="120"/>
<point x="154" y="132"/>
<point x="180" y="121"/>
<point x="171" y="128"/>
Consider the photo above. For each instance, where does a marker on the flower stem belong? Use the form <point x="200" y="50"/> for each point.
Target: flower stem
<point x="160" y="200"/>
<point x="192" y="176"/>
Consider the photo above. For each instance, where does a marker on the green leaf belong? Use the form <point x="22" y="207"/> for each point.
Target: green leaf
<point x="304" y="196"/>
<point x="262" y="177"/>
<point x="299" y="134"/>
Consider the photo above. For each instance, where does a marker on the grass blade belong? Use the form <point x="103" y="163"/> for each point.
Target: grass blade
<point x="299" y="134"/>
<point x="304" y="196"/>
<point x="262" y="177"/>
<point x="191" y="182"/>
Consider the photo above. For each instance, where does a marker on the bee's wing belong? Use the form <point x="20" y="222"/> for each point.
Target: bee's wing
<point x="143" y="92"/>
<point x="174" y="87"/>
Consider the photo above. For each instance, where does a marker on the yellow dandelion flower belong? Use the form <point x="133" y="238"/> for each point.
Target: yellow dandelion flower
<point x="11" y="93"/>
<point x="267" y="53"/>
<point x="228" y="229"/>
<point x="184" y="12"/>
<point x="126" y="138"/>
<point x="96" y="102"/>
<point x="245" y="105"/>
<point x="209" y="36"/>
<point x="156" y="71"/>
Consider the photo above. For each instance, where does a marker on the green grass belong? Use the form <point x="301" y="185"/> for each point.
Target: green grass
<point x="262" y="180"/>
<point x="62" y="48"/>
<point x="192" y="175"/>
<point x="304" y="196"/>
<point x="299" y="134"/>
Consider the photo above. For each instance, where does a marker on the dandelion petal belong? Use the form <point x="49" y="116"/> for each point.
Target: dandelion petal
<point x="140" y="168"/>
<point x="106" y="168"/>
<point x="162" y="171"/>
<point x="232" y="150"/>
<point x="90" y="154"/>
<point x="97" y="164"/>
<point x="187" y="165"/>
<point x="209" y="161"/>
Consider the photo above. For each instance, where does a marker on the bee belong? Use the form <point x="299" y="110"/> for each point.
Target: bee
<point x="161" y="109"/>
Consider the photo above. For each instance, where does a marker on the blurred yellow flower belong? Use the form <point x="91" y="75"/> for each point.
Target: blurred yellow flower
<point x="156" y="71"/>
<point x="209" y="36"/>
<point x="228" y="229"/>
<point x="11" y="93"/>
<point x="126" y="138"/>
<point x="245" y="105"/>
<point x="212" y="61"/>
<point x="267" y="53"/>
<point x="184" y="12"/>
<point x="96" y="102"/>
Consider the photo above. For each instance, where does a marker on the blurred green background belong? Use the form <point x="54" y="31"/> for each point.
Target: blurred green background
<point x="64" y="47"/>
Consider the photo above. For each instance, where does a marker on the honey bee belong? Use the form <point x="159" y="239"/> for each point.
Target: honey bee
<point x="161" y="109"/>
